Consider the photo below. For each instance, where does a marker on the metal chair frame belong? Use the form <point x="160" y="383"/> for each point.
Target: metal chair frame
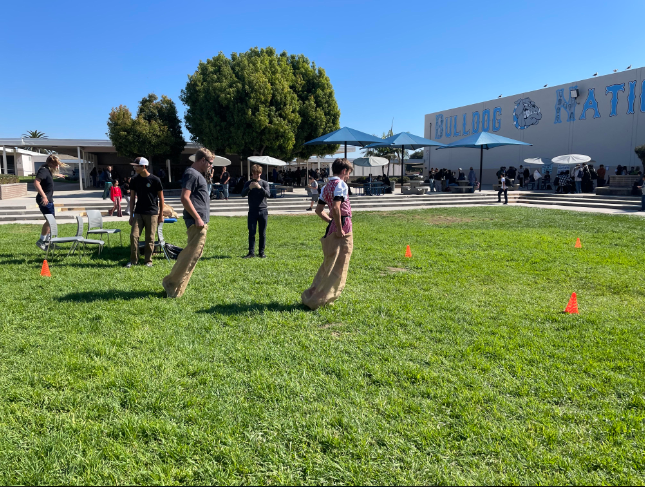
<point x="95" y="226"/>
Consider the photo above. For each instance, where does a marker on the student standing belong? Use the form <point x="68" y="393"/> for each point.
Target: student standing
<point x="313" y="189"/>
<point x="503" y="188"/>
<point x="223" y="180"/>
<point x="44" y="184"/>
<point x="146" y="210"/>
<point x="197" y="211"/>
<point x="258" y="191"/>
<point x="115" y="196"/>
<point x="338" y="242"/>
<point x="108" y="180"/>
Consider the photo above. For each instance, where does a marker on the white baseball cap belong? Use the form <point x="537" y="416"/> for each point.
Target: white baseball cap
<point x="142" y="162"/>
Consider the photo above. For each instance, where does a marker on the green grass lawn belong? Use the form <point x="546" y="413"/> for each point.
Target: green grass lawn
<point x="453" y="367"/>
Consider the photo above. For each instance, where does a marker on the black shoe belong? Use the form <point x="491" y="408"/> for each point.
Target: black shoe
<point x="262" y="256"/>
<point x="309" y="209"/>
<point x="250" y="255"/>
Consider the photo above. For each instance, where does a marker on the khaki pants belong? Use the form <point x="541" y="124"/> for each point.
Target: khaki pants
<point x="149" y="222"/>
<point x="175" y="283"/>
<point x="332" y="275"/>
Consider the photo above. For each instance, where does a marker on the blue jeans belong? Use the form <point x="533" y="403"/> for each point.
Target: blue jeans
<point x="578" y="186"/>
<point x="209" y="189"/>
<point x="48" y="209"/>
<point x="225" y="190"/>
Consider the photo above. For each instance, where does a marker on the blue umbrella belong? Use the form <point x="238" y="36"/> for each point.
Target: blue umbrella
<point x="345" y="136"/>
<point x="481" y="141"/>
<point x="405" y="140"/>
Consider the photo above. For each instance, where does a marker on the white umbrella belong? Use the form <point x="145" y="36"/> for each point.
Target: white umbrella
<point x="267" y="161"/>
<point x="217" y="161"/>
<point x="371" y="161"/>
<point x="570" y="159"/>
<point x="537" y="161"/>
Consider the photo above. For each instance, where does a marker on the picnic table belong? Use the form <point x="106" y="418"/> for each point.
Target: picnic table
<point x="277" y="190"/>
<point x="375" y="188"/>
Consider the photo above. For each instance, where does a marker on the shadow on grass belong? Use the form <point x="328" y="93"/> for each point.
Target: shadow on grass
<point x="218" y="257"/>
<point x="237" y="308"/>
<point x="108" y="295"/>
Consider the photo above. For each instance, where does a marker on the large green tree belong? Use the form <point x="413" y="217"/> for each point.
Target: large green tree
<point x="155" y="132"/>
<point x="260" y="103"/>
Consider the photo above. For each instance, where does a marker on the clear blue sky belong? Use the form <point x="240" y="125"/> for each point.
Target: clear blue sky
<point x="66" y="64"/>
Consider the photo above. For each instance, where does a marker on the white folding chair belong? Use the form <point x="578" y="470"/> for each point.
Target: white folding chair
<point x="85" y="241"/>
<point x="55" y="239"/>
<point x="95" y="226"/>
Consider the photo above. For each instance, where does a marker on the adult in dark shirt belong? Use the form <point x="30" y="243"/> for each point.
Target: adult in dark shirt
<point x="44" y="184"/>
<point x="258" y="191"/>
<point x="146" y="210"/>
<point x="223" y="180"/>
<point x="197" y="212"/>
<point x="108" y="181"/>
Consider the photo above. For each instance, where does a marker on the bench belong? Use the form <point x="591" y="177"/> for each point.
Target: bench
<point x="461" y="189"/>
<point x="618" y="186"/>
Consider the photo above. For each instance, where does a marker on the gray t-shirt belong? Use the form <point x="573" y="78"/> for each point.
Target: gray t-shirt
<point x="195" y="182"/>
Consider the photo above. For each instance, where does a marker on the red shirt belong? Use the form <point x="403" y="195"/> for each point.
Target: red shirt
<point x="115" y="193"/>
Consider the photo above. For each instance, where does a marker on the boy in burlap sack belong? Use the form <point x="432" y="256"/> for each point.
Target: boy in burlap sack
<point x="338" y="242"/>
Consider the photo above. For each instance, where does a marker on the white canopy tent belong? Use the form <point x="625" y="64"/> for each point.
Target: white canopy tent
<point x="218" y="161"/>
<point x="263" y="160"/>
<point x="571" y="159"/>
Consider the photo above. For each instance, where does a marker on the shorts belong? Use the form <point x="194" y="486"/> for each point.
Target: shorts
<point x="48" y="209"/>
<point x="315" y="197"/>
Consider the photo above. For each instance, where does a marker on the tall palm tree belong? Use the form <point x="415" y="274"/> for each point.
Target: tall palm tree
<point x="35" y="134"/>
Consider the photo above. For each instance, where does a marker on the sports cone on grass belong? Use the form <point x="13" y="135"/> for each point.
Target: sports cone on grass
<point x="578" y="244"/>
<point x="45" y="270"/>
<point x="572" y="307"/>
<point x="408" y="252"/>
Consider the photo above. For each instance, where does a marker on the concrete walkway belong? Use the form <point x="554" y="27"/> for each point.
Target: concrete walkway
<point x="93" y="199"/>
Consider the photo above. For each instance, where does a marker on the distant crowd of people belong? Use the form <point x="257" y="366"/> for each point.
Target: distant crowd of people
<point x="443" y="179"/>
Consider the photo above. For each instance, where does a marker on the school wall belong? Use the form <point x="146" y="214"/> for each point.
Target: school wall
<point x="606" y="122"/>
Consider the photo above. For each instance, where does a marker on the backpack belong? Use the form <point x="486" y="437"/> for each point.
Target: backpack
<point x="173" y="251"/>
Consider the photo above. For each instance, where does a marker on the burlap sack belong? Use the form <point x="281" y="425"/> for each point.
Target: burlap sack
<point x="168" y="212"/>
<point x="332" y="275"/>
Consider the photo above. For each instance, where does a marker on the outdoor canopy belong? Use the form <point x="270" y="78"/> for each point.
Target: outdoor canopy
<point x="217" y="161"/>
<point x="345" y="136"/>
<point x="537" y="161"/>
<point x="571" y="159"/>
<point x="371" y="161"/>
<point x="402" y="141"/>
<point x="481" y="141"/>
<point x="267" y="161"/>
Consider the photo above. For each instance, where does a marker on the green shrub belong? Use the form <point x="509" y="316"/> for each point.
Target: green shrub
<point x="398" y="180"/>
<point x="8" y="179"/>
<point x="640" y="152"/>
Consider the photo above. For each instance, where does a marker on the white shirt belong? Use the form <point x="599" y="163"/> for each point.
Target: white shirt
<point x="503" y="180"/>
<point x="314" y="187"/>
<point x="341" y="188"/>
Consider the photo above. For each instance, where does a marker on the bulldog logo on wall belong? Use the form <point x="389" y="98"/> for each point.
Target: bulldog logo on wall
<point x="526" y="113"/>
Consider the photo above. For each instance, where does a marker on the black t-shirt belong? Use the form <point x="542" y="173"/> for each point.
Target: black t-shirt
<point x="44" y="175"/>
<point x="223" y="179"/>
<point x="147" y="190"/>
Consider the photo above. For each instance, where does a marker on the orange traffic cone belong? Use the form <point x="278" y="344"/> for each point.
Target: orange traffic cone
<point x="45" y="270"/>
<point x="572" y="307"/>
<point x="408" y="253"/>
<point x="578" y="244"/>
